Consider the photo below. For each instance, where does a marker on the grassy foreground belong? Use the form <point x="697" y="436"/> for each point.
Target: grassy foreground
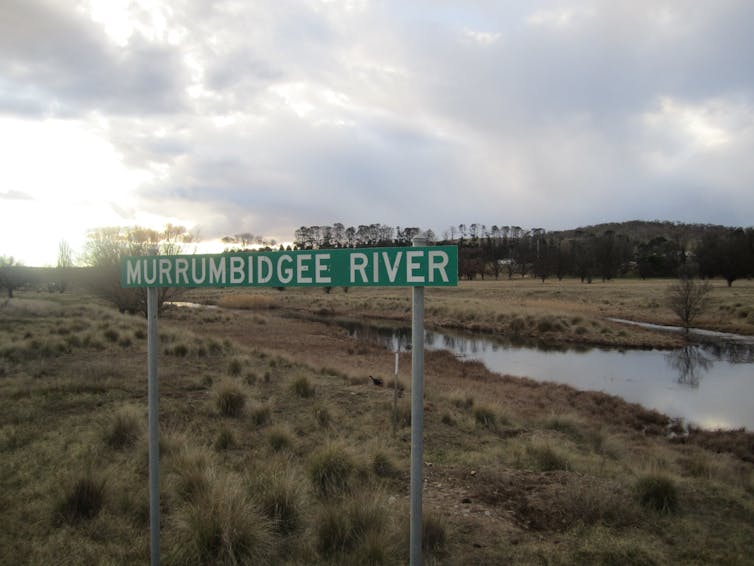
<point x="277" y="450"/>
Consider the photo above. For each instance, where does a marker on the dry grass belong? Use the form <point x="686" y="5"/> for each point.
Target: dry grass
<point x="299" y="480"/>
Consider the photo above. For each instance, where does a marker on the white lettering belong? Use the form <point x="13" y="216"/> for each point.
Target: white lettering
<point x="438" y="261"/>
<point x="217" y="271"/>
<point x="412" y="265"/>
<point x="301" y="268"/>
<point x="392" y="270"/>
<point x="154" y="272"/>
<point x="236" y="270"/>
<point x="262" y="262"/>
<point x="320" y="267"/>
<point x="194" y="277"/>
<point x="285" y="275"/>
<point x="133" y="272"/>
<point x="181" y="271"/>
<point x="165" y="278"/>
<point x="360" y="267"/>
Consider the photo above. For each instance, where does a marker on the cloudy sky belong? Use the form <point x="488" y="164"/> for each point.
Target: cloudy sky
<point x="231" y="116"/>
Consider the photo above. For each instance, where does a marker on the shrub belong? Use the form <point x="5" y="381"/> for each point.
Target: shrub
<point x="229" y="399"/>
<point x="124" y="429"/>
<point x="82" y="501"/>
<point x="331" y="470"/>
<point x="658" y="493"/>
<point x="302" y="387"/>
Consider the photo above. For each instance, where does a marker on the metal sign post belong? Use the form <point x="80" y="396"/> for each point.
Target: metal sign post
<point x="417" y="418"/>
<point x="153" y="402"/>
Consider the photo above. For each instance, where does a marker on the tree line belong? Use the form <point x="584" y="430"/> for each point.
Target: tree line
<point x="643" y="249"/>
<point x="636" y="249"/>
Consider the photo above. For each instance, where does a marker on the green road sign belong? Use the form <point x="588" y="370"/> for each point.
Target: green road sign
<point x="417" y="266"/>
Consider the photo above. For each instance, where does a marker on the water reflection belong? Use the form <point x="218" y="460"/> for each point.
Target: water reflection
<point x="691" y="364"/>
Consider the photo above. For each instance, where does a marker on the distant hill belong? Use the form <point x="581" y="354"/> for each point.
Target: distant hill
<point x="688" y="235"/>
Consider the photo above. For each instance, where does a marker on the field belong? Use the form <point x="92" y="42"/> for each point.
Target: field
<point x="277" y="449"/>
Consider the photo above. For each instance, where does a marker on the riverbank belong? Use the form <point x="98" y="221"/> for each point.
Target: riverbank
<point x="556" y="312"/>
<point x="276" y="442"/>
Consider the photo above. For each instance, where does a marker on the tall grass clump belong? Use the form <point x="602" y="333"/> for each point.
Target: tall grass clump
<point x="281" y="496"/>
<point x="280" y="438"/>
<point x="383" y="465"/>
<point x="355" y="531"/>
<point x="229" y="399"/>
<point x="657" y="493"/>
<point x="434" y="536"/>
<point x="260" y="414"/>
<point x="302" y="387"/>
<point x="124" y="429"/>
<point x="322" y="416"/>
<point x="545" y="458"/>
<point x="82" y="500"/>
<point x="193" y="473"/>
<point x="332" y="470"/>
<point x="224" y="527"/>
<point x="485" y="417"/>
<point x="225" y="440"/>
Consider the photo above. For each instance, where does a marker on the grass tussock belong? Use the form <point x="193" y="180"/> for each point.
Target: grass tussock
<point x="230" y="400"/>
<point x="546" y="458"/>
<point x="81" y="500"/>
<point x="384" y="466"/>
<point x="657" y="493"/>
<point x="224" y="526"/>
<point x="302" y="387"/>
<point x="486" y="417"/>
<point x="225" y="440"/>
<point x="281" y="495"/>
<point x="124" y="429"/>
<point x="357" y="531"/>
<point x="280" y="438"/>
<point x="332" y="470"/>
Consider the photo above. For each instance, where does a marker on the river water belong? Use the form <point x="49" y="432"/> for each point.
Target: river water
<point x="709" y="383"/>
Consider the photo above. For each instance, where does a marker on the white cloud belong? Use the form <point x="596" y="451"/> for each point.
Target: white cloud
<point x="261" y="117"/>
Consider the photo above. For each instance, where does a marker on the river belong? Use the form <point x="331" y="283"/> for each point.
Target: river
<point x="709" y="383"/>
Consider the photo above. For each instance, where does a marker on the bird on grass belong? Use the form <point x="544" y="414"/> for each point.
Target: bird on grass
<point x="377" y="381"/>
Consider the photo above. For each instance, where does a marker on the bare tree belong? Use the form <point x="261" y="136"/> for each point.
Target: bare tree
<point x="687" y="299"/>
<point x="104" y="249"/>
